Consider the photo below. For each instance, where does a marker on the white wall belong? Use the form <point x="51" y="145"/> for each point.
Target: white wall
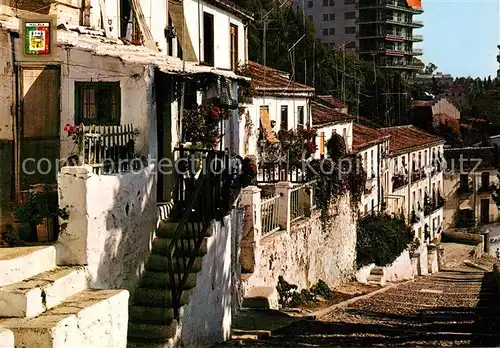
<point x="137" y="100"/>
<point x="274" y="104"/>
<point x="112" y="221"/>
<point x="222" y="21"/>
<point x="207" y="319"/>
<point x="339" y="129"/>
<point x="371" y="167"/>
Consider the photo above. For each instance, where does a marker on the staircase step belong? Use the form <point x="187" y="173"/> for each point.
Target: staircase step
<point x="377" y="271"/>
<point x="91" y="318"/>
<point x="151" y="332"/>
<point x="158" y="297"/>
<point x="150" y="315"/>
<point x="37" y="294"/>
<point x="162" y="280"/>
<point x="6" y="338"/>
<point x="167" y="229"/>
<point x="18" y="264"/>
<point x="159" y="263"/>
<point x="160" y="246"/>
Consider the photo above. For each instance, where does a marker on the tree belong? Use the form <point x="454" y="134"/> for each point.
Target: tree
<point x="430" y="68"/>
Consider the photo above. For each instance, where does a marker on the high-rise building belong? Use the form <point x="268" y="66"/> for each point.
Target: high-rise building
<point x="498" y="60"/>
<point x="381" y="31"/>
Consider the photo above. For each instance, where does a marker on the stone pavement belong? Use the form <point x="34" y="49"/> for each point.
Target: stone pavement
<point x="456" y="307"/>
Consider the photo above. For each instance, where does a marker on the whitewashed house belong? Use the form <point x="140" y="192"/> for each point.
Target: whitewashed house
<point x="276" y="103"/>
<point x="373" y="147"/>
<point x="327" y="121"/>
<point x="416" y="173"/>
<point x="131" y="70"/>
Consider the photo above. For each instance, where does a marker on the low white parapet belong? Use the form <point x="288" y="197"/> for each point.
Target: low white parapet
<point x="111" y="224"/>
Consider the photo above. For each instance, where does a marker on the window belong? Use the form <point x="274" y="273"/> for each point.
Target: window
<point x="284" y="117"/>
<point x="464" y="181"/>
<point x="310" y="17"/>
<point x="366" y="208"/>
<point x="485" y="179"/>
<point x="350" y="30"/>
<point x="325" y="32"/>
<point x="332" y="16"/>
<point x="325" y="17"/>
<point x="344" y="135"/>
<point x="332" y="44"/>
<point x="233" y="30"/>
<point x="332" y="31"/>
<point x="309" y="4"/>
<point x="97" y="103"/>
<point x="332" y="2"/>
<point x="373" y="205"/>
<point x="208" y="38"/>
<point x="348" y="2"/>
<point x="350" y="15"/>
<point x="325" y="2"/>
<point x="300" y="114"/>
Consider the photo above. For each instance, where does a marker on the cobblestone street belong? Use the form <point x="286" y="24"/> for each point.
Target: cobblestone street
<point x="456" y="307"/>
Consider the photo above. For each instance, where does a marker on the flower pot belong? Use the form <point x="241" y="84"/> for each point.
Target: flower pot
<point x="25" y="232"/>
<point x="42" y="231"/>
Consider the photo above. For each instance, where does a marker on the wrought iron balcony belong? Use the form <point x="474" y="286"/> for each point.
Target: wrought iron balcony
<point x="399" y="180"/>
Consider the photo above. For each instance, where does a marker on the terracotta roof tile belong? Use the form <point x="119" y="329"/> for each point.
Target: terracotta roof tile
<point x="265" y="79"/>
<point x="336" y="103"/>
<point x="404" y="138"/>
<point x="363" y="137"/>
<point x="322" y="115"/>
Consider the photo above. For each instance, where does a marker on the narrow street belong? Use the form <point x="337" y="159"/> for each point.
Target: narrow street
<point x="456" y="307"/>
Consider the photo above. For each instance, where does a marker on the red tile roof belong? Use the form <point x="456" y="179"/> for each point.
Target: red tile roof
<point x="363" y="137"/>
<point x="322" y="115"/>
<point x="269" y="80"/>
<point x="336" y="103"/>
<point x="405" y="138"/>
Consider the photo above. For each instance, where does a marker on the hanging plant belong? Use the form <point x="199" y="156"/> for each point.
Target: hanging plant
<point x="201" y="125"/>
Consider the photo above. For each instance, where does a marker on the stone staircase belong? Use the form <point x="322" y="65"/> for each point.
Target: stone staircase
<point x="376" y="277"/>
<point x="152" y="321"/>
<point x="47" y="306"/>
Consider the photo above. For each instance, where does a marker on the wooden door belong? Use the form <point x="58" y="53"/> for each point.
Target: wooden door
<point x="485" y="210"/>
<point x="39" y="125"/>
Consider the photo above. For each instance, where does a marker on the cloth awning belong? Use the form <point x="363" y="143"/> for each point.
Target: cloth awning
<point x="176" y="12"/>
<point x="414" y="3"/>
<point x="266" y="126"/>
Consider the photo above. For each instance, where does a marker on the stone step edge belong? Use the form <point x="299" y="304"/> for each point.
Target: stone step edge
<point x="79" y="313"/>
<point x="42" y="292"/>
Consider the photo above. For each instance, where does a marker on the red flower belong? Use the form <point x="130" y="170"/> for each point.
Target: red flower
<point x="253" y="167"/>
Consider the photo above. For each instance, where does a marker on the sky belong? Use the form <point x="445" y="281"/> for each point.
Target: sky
<point x="461" y="37"/>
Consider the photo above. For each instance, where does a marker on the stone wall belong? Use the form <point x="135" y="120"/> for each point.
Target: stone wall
<point x="112" y="221"/>
<point x="207" y="319"/>
<point x="309" y="252"/>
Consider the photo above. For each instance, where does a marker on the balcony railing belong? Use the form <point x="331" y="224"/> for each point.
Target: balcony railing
<point x="108" y="149"/>
<point x="399" y="180"/>
<point x="465" y="189"/>
<point x="270" y="218"/>
<point x="486" y="188"/>
<point x="417" y="175"/>
<point x="299" y="199"/>
<point x="416" y="38"/>
<point x="392" y="5"/>
<point x="273" y="172"/>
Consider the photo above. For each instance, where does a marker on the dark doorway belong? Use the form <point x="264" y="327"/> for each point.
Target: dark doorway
<point x="208" y="38"/>
<point x="164" y="97"/>
<point x="485" y="210"/>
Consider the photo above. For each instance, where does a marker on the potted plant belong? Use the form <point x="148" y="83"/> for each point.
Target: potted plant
<point x="31" y="211"/>
<point x="37" y="213"/>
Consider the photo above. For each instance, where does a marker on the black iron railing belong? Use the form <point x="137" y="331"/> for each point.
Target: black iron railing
<point x="203" y="194"/>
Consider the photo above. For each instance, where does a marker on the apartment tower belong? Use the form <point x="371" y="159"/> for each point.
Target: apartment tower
<point x="381" y="31"/>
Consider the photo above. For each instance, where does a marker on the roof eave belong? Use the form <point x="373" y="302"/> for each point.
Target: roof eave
<point x="416" y="148"/>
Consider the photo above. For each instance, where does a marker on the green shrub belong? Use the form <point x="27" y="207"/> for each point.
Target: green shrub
<point x="381" y="239"/>
<point x="289" y="296"/>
